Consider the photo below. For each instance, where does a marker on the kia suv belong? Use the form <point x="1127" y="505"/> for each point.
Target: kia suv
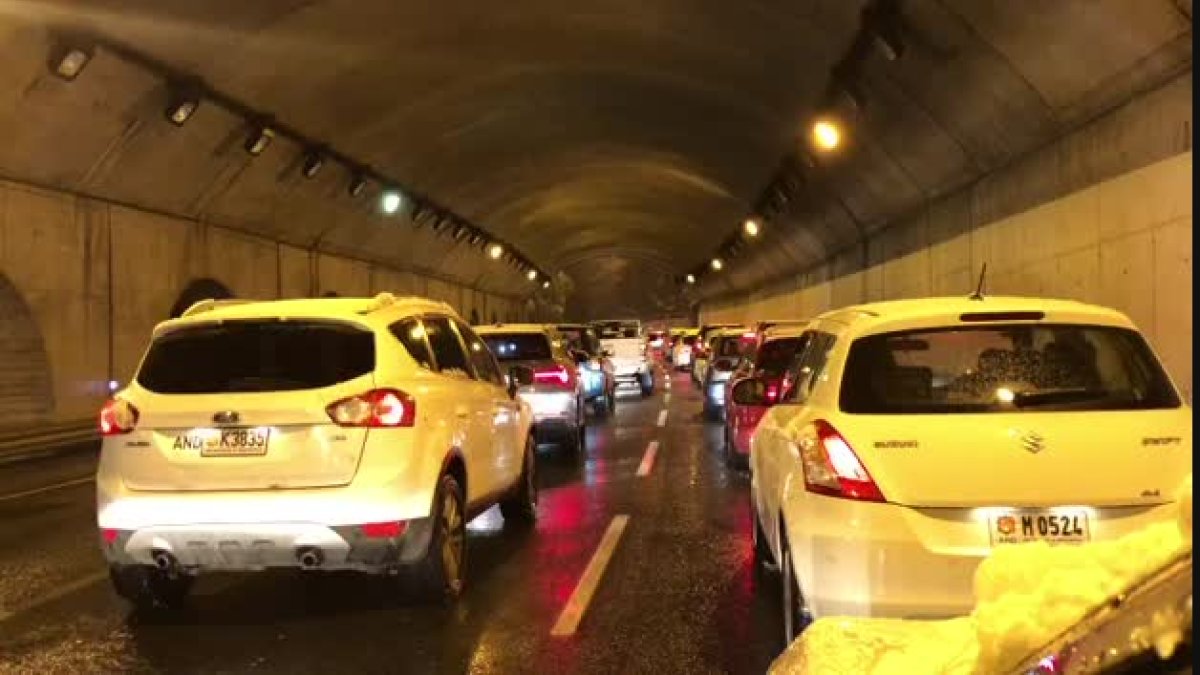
<point x="320" y="434"/>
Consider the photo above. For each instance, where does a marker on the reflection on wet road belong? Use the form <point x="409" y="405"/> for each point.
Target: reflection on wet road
<point x="677" y="594"/>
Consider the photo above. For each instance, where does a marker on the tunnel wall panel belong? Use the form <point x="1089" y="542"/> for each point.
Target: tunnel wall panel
<point x="1124" y="243"/>
<point x="79" y="317"/>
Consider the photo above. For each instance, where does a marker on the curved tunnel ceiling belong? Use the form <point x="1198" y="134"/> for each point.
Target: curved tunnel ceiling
<point x="619" y="142"/>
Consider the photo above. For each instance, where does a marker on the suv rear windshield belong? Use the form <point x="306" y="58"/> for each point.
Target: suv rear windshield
<point x="689" y="340"/>
<point x="518" y="346"/>
<point x="618" y="329"/>
<point x="242" y="356"/>
<point x="1004" y="368"/>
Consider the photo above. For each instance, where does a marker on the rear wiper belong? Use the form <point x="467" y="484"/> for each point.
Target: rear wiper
<point x="1025" y="399"/>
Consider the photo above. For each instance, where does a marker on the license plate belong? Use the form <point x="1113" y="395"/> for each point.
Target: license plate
<point x="1057" y="527"/>
<point x="234" y="442"/>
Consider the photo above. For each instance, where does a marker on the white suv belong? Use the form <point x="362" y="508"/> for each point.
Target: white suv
<point x="331" y="434"/>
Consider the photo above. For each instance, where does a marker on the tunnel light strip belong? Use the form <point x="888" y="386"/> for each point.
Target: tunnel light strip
<point x="581" y="597"/>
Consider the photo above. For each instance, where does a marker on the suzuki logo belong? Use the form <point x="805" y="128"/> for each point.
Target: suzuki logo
<point x="1033" y="442"/>
<point x="226" y="417"/>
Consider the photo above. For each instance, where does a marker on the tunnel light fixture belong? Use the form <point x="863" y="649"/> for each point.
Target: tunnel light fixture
<point x="258" y="141"/>
<point x="751" y="227"/>
<point x="358" y="185"/>
<point x="477" y="239"/>
<point x="531" y="275"/>
<point x="390" y="202"/>
<point x="717" y="264"/>
<point x="181" y="106"/>
<point x="313" y="161"/>
<point x="68" y="62"/>
<point x="495" y="251"/>
<point x="440" y="223"/>
<point x="691" y="278"/>
<point x="826" y="133"/>
<point x="461" y="232"/>
<point x="546" y="284"/>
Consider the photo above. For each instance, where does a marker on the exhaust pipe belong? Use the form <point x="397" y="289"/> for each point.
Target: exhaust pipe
<point x="310" y="557"/>
<point x="163" y="560"/>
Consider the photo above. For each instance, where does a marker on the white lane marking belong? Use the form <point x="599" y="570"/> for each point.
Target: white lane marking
<point x="65" y="589"/>
<point x="662" y="418"/>
<point x="648" y="460"/>
<point x="47" y="488"/>
<point x="581" y="597"/>
<point x="667" y="397"/>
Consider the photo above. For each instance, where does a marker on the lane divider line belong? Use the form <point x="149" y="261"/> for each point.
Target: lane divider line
<point x="65" y="589"/>
<point x="581" y="597"/>
<point x="47" y="488"/>
<point x="662" y="418"/>
<point x="667" y="397"/>
<point x="648" y="460"/>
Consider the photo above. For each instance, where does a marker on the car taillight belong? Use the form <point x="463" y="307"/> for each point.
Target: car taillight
<point x="385" y="530"/>
<point x="831" y="467"/>
<point x="555" y="375"/>
<point x="117" y="417"/>
<point x="375" y="408"/>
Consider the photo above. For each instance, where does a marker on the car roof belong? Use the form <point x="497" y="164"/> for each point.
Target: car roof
<point x="896" y="314"/>
<point x="789" y="331"/>
<point x="384" y="308"/>
<point x="730" y="332"/>
<point x="513" y="328"/>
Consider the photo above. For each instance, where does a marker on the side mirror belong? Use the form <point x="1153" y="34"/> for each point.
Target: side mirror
<point x="750" y="391"/>
<point x="519" y="376"/>
<point x="581" y="357"/>
<point x="606" y="353"/>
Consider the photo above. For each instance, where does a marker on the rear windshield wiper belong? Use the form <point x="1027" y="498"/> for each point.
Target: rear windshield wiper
<point x="1025" y="399"/>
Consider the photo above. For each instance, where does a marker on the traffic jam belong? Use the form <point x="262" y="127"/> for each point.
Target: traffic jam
<point x="891" y="456"/>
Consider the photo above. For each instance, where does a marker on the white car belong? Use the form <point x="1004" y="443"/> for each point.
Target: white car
<point x="331" y="434"/>
<point x="681" y="352"/>
<point x="920" y="434"/>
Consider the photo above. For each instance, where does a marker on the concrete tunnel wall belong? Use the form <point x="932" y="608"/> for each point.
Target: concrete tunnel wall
<point x="1124" y="242"/>
<point x="82" y="283"/>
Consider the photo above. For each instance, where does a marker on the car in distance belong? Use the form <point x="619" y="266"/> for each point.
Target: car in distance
<point x="595" y="368"/>
<point x="681" y="350"/>
<point x="623" y="341"/>
<point x="727" y="347"/>
<point x="703" y="346"/>
<point x="320" y="434"/>
<point x="556" y="394"/>
<point x="926" y="432"/>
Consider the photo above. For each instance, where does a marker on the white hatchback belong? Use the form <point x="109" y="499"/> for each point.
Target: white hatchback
<point x="921" y="434"/>
<point x="331" y="434"/>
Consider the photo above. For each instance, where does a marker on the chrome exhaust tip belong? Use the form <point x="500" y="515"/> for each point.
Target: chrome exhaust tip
<point x="310" y="557"/>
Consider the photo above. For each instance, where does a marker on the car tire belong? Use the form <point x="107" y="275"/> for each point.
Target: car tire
<point x="795" y="617"/>
<point x="610" y="401"/>
<point x="521" y="507"/>
<point x="149" y="588"/>
<point x="441" y="571"/>
<point x="646" y="382"/>
<point x="727" y="449"/>
<point x="763" y="560"/>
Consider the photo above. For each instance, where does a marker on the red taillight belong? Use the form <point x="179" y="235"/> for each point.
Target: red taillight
<point x="376" y="408"/>
<point x="109" y="535"/>
<point x="772" y="393"/>
<point x="559" y="376"/>
<point x="831" y="467"/>
<point x="117" y="417"/>
<point x="386" y="530"/>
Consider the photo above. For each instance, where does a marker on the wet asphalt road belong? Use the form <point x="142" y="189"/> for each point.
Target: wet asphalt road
<point x="679" y="594"/>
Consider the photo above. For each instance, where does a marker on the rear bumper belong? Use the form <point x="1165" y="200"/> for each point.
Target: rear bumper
<point x="552" y="408"/>
<point x="885" y="560"/>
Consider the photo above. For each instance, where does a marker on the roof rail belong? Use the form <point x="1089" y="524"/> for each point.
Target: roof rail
<point x="210" y="304"/>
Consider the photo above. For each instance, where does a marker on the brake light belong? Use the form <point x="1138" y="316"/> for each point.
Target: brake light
<point x="556" y="375"/>
<point x="772" y="393"/>
<point x="831" y="467"/>
<point x="375" y="408"/>
<point x="386" y="530"/>
<point x="117" y="417"/>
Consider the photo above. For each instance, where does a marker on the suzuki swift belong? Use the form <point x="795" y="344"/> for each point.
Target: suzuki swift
<point x="331" y="434"/>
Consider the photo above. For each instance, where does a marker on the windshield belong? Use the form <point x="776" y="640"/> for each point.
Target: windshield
<point x="733" y="347"/>
<point x="519" y="346"/>
<point x="248" y="356"/>
<point x="775" y="356"/>
<point x="618" y="329"/>
<point x="1004" y="368"/>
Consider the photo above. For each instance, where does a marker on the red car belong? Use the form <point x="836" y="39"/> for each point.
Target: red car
<point x="759" y="386"/>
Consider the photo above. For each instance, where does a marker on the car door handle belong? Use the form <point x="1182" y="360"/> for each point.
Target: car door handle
<point x="462" y="413"/>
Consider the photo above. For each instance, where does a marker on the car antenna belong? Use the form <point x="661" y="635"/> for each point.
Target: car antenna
<point x="978" y="294"/>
